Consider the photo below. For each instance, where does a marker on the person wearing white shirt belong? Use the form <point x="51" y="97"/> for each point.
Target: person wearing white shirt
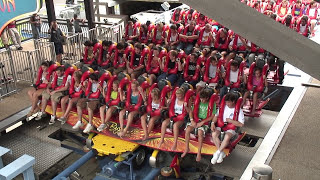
<point x="54" y="94"/>
<point x="228" y="113"/>
<point x="234" y="73"/>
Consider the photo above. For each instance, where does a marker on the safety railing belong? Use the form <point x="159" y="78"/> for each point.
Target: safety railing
<point x="23" y="65"/>
<point x="7" y="72"/>
<point x="74" y="49"/>
<point x="46" y="50"/>
<point x="25" y="30"/>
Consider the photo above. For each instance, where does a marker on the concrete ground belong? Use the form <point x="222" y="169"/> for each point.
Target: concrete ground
<point x="18" y="101"/>
<point x="297" y="156"/>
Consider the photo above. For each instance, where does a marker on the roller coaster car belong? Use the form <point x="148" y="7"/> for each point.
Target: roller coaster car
<point x="247" y="108"/>
<point x="39" y="84"/>
<point x="227" y="126"/>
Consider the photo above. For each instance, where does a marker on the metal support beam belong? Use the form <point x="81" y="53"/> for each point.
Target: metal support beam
<point x="88" y="5"/>
<point x="50" y="11"/>
<point x="66" y="173"/>
<point x="263" y="31"/>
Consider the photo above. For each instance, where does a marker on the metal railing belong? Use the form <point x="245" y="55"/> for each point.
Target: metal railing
<point x="22" y="65"/>
<point x="7" y="79"/>
<point x="74" y="49"/>
<point x="25" y="30"/>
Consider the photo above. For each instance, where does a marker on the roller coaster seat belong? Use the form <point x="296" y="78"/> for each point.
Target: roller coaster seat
<point x="225" y="125"/>
<point x="196" y="75"/>
<point x="206" y="77"/>
<point x="227" y="81"/>
<point x="39" y="84"/>
<point x="68" y="72"/>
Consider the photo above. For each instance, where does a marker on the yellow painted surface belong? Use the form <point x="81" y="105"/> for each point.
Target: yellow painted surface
<point x="106" y="145"/>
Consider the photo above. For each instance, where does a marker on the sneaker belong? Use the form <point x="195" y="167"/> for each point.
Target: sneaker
<point x="221" y="156"/>
<point x="88" y="128"/>
<point x="77" y="125"/>
<point x="52" y="120"/>
<point x="101" y="127"/>
<point x="215" y="157"/>
<point x="62" y="120"/>
<point x="39" y="116"/>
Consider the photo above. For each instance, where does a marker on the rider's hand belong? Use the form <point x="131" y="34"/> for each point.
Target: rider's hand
<point x="213" y="127"/>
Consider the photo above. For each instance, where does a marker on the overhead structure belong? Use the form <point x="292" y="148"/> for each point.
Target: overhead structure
<point x="88" y="5"/>
<point x="50" y="11"/>
<point x="263" y="31"/>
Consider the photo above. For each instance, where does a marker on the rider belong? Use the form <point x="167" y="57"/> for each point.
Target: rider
<point x="105" y="115"/>
<point x="178" y="109"/>
<point x="256" y="81"/>
<point x="230" y="99"/>
<point x="136" y="92"/>
<point x="148" y="125"/>
<point x="71" y="101"/>
<point x="201" y="126"/>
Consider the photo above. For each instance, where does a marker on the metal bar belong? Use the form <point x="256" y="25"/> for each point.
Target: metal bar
<point x="152" y="174"/>
<point x="263" y="31"/>
<point x="311" y="85"/>
<point x="75" y="166"/>
<point x="14" y="73"/>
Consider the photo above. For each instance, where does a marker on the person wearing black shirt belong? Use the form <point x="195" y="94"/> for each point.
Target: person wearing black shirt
<point x="190" y="39"/>
<point x="137" y="69"/>
<point x="191" y="70"/>
<point x="56" y="36"/>
<point x="171" y="65"/>
<point x="121" y="58"/>
<point x="105" y="54"/>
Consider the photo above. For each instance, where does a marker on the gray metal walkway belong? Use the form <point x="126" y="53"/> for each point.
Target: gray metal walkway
<point x="28" y="139"/>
